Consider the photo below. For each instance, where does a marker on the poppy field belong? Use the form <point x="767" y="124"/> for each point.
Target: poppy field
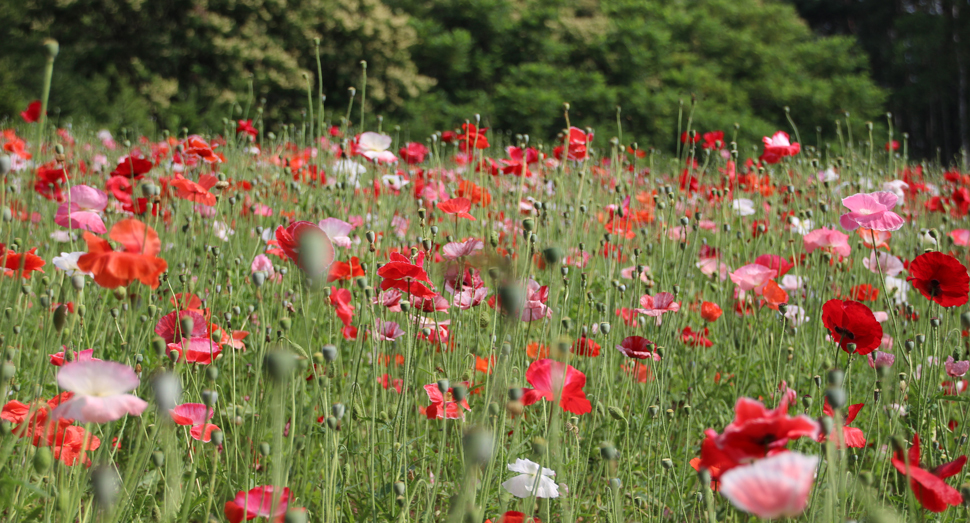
<point x="340" y="322"/>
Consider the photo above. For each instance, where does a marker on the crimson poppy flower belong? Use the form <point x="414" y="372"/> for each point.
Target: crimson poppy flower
<point x="776" y="263"/>
<point x="340" y="300"/>
<point x="51" y="177"/>
<point x="246" y="127"/>
<point x="444" y="406"/>
<point x="413" y="153"/>
<point x="576" y="145"/>
<point x="72" y="445"/>
<point x="756" y="431"/>
<point x="556" y="380"/>
<point x="32" y="113"/>
<point x="777" y="147"/>
<point x="138" y="261"/>
<point x="929" y="486"/>
<point x="306" y="245"/>
<point x="202" y="351"/>
<point x="852" y="322"/>
<point x="693" y="338"/>
<point x="457" y="206"/>
<point x="405" y="276"/>
<point x="941" y="278"/>
<point x="638" y="347"/>
<point x="169" y="327"/>
<point x="514" y="516"/>
<point x="131" y="167"/>
<point x="713" y="140"/>
<point x="685" y="137"/>
<point x="260" y="502"/>
<point x="345" y="270"/>
<point x="852" y="436"/>
<point x="473" y="137"/>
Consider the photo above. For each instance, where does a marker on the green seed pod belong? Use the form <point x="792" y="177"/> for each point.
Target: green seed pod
<point x="264" y="449"/>
<point x="60" y="317"/>
<point x="42" y="460"/>
<point x="158" y="458"/>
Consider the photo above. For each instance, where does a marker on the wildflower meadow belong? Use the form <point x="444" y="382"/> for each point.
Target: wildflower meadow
<point x="337" y="321"/>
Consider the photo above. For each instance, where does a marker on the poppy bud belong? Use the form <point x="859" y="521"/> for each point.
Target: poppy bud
<point x="835" y="397"/>
<point x="329" y="352"/>
<point x="827" y="425"/>
<point x="400" y="488"/>
<point x="77" y="281"/>
<point x="835" y="377"/>
<point x="667" y="463"/>
<point x="51" y="48"/>
<point x="920" y="339"/>
<point x="605" y="327"/>
<point x="158" y="458"/>
<point x="107" y="485"/>
<point x="405" y="306"/>
<point x="608" y="451"/>
<point x="617" y="414"/>
<point x="285" y="324"/>
<point x="209" y="398"/>
<point x="876" y="394"/>
<point x="42" y="460"/>
<point x="514" y="408"/>
<point x="338" y="410"/>
<point x="552" y="255"/>
<point x="295" y="515"/>
<point x="332" y="423"/>
<point x="187" y="325"/>
<point x="459" y="392"/>
<point x="443" y="386"/>
<point x="478" y="445"/>
<point x="7" y="371"/>
<point x="60" y="317"/>
<point x="539" y="446"/>
<point x="264" y="449"/>
<point x="280" y="364"/>
<point x="934" y="322"/>
<point x="807" y="401"/>
<point x="653" y="410"/>
<point x="909" y="345"/>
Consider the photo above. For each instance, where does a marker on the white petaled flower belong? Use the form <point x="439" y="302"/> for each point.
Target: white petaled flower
<point x="67" y="262"/>
<point x="743" y="207"/>
<point x="524" y="485"/>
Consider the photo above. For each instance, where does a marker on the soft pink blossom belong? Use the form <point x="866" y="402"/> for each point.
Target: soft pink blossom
<point x="891" y="265"/>
<point x="961" y="237"/>
<point x="828" y="239"/>
<point x="752" y="277"/>
<point x="880" y="359"/>
<point x="100" y="391"/>
<point x="872" y="211"/>
<point x="82" y="208"/>
<point x="455" y="250"/>
<point x="772" y="487"/>
<point x="956" y="369"/>
<point x="338" y="231"/>
<point x="387" y="330"/>
<point x="657" y="305"/>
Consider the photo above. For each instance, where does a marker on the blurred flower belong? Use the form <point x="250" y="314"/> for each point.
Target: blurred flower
<point x="532" y="479"/>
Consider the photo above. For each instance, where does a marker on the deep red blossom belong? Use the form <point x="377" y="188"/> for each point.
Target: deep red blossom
<point x="306" y="245"/>
<point x="941" y="278"/>
<point x="639" y="348"/>
<point x="693" y="338"/>
<point x="585" y="347"/>
<point x="131" y="167"/>
<point x="32" y="113"/>
<point x="929" y="486"/>
<point x="556" y="380"/>
<point x="852" y="322"/>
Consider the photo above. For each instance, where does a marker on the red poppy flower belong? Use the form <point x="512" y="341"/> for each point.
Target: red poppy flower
<point x="473" y="192"/>
<point x="457" y="206"/>
<point x="864" y="292"/>
<point x="585" y="347"/>
<point x="774" y="262"/>
<point x="710" y="311"/>
<point x="473" y="137"/>
<point x="413" y="153"/>
<point x="25" y="263"/>
<point x="169" y="327"/>
<point x="444" y="406"/>
<point x="756" y="431"/>
<point x="639" y="348"/>
<point x="139" y="260"/>
<point x="941" y="278"/>
<point x="246" y="127"/>
<point x="131" y="167"/>
<point x="340" y="300"/>
<point x="196" y="192"/>
<point x="852" y="436"/>
<point x="32" y="113"/>
<point x="51" y="178"/>
<point x="852" y="322"/>
<point x="345" y="270"/>
<point x="692" y="338"/>
<point x="405" y="276"/>
<point x="69" y="447"/>
<point x="556" y="380"/>
<point x="514" y="516"/>
<point x="928" y="486"/>
<point x="306" y="245"/>
<point x="713" y="140"/>
<point x="685" y="137"/>
<point x="258" y="503"/>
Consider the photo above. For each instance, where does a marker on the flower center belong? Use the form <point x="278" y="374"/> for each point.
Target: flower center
<point x="845" y="333"/>
<point x="934" y="288"/>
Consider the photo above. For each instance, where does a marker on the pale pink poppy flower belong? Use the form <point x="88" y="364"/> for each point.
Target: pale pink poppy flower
<point x="436" y="303"/>
<point x="743" y="206"/>
<point x="752" y="277"/>
<point x="710" y="266"/>
<point x="891" y="265"/>
<point x="881" y="316"/>
<point x="657" y="305"/>
<point x="577" y="258"/>
<point x="796" y="315"/>
<point x="707" y="225"/>
<point x="374" y="147"/>
<point x="790" y="283"/>
<point x="400" y="226"/>
<point x="82" y="209"/>
<point x="204" y="210"/>
<point x="473" y="290"/>
<point x="872" y="211"/>
<point x="356" y="220"/>
<point x="879" y="358"/>
<point x="387" y="330"/>
<point x="628" y="273"/>
<point x="169" y="326"/>
<point x="100" y="392"/>
<point x="391" y="298"/>
<point x="258" y="503"/>
<point x="960" y="237"/>
<point x="886" y="342"/>
<point x="828" y="239"/>
<point x="260" y="209"/>
<point x="773" y="487"/>
<point x="455" y="250"/>
<point x="338" y="231"/>
<point x="956" y="369"/>
<point x="262" y="263"/>
<point x="897" y="187"/>
<point x="535" y="302"/>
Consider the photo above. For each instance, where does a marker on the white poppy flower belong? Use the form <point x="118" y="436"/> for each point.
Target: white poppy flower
<point x="523" y="485"/>
<point x="67" y="262"/>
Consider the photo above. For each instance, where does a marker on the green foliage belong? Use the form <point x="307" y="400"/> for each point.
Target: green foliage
<point x="435" y="63"/>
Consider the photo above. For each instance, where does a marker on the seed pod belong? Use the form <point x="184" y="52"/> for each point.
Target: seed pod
<point x="60" y="317"/>
<point x="42" y="460"/>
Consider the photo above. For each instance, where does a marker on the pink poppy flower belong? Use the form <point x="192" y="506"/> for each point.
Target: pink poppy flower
<point x="444" y="406"/>
<point x="57" y="360"/>
<point x="82" y="208"/>
<point x="658" y="304"/>
<point x="828" y="239"/>
<point x="880" y="359"/>
<point x="455" y="250"/>
<point x="338" y="231"/>
<point x="535" y="302"/>
<point x="262" y="263"/>
<point x="872" y="210"/>
<point x="772" y="487"/>
<point x="169" y="326"/>
<point x="435" y="303"/>
<point x="387" y="330"/>
<point x="778" y="146"/>
<point x="188" y="414"/>
<point x="638" y="347"/>
<point x="956" y="369"/>
<point x="555" y="380"/>
<point x="100" y="392"/>
<point x="961" y="237"/>
<point x="258" y="503"/>
<point x="374" y="147"/>
<point x="891" y="265"/>
<point x="752" y="276"/>
<point x="628" y="273"/>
